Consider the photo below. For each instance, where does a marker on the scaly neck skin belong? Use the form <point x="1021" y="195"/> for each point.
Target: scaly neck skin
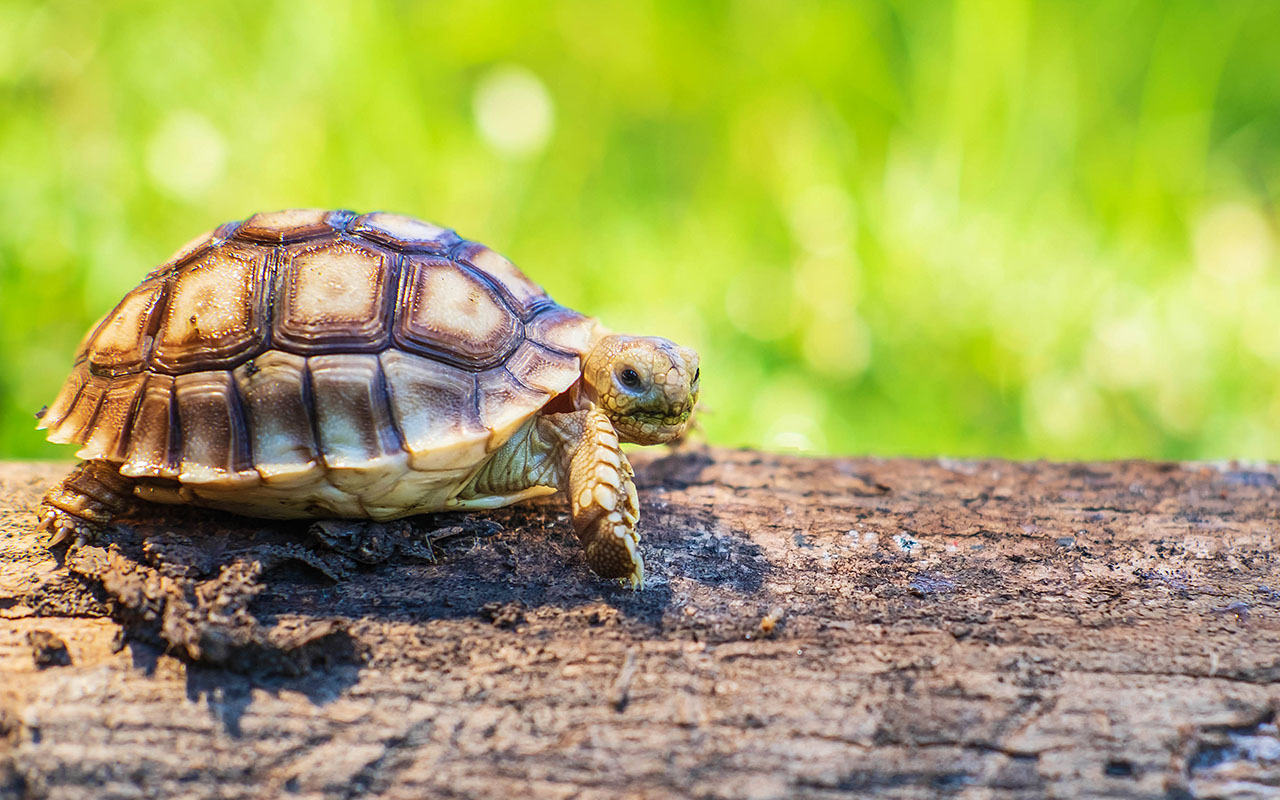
<point x="529" y="458"/>
<point x="537" y="454"/>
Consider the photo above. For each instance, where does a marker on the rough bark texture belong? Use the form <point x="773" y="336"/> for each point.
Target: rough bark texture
<point x="812" y="628"/>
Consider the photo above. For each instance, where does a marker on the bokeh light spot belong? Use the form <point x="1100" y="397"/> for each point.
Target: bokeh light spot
<point x="186" y="155"/>
<point x="755" y="307"/>
<point x="790" y="415"/>
<point x="1124" y="352"/>
<point x="1060" y="409"/>
<point x="837" y="347"/>
<point x="1233" y="243"/>
<point x="513" y="111"/>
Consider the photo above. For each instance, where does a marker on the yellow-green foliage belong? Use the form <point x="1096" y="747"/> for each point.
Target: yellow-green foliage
<point x="1013" y="228"/>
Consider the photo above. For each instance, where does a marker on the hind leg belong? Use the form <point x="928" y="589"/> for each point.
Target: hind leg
<point x="85" y="502"/>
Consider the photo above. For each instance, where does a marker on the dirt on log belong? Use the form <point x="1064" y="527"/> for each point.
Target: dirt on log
<point x="811" y="628"/>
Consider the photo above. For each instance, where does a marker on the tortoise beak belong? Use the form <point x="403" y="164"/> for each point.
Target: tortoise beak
<point x="686" y="361"/>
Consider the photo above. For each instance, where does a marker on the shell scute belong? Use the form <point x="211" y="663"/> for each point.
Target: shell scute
<point x="122" y="341"/>
<point x="333" y="296"/>
<point x="505" y="404"/>
<point x="434" y="405"/>
<point x="153" y="439"/>
<point x="563" y="329"/>
<point x="215" y="442"/>
<point x="76" y="421"/>
<point x="215" y="312"/>
<point x="405" y="233"/>
<point x="290" y="225"/>
<point x="61" y="405"/>
<point x="454" y="315"/>
<point x="542" y="370"/>
<point x="526" y="296"/>
<point x="273" y="389"/>
<point x="108" y="436"/>
<point x="358" y="441"/>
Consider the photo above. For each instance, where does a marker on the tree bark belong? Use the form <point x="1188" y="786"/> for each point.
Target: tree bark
<point x="811" y="628"/>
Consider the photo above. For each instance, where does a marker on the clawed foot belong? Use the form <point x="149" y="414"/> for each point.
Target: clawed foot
<point x="84" y="503"/>
<point x="60" y="526"/>
<point x="608" y="505"/>
<point x="613" y="550"/>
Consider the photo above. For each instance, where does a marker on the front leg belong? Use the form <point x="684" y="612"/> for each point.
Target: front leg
<point x="576" y="453"/>
<point x="602" y="492"/>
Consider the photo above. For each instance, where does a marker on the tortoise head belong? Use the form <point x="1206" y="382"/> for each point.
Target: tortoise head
<point x="646" y="385"/>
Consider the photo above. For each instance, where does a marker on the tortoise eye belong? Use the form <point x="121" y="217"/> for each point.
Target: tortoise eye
<point x="697" y="373"/>
<point x="630" y="378"/>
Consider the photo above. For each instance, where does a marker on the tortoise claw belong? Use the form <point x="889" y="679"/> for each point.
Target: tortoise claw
<point x="58" y="537"/>
<point x="59" y="527"/>
<point x="634" y="581"/>
<point x="613" y="549"/>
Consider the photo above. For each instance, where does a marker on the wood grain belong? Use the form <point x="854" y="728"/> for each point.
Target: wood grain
<point x="813" y="628"/>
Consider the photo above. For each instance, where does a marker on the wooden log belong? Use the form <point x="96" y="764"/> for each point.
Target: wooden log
<point x="812" y="628"/>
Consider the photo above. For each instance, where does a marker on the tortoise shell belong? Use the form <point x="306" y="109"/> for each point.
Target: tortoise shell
<point x="303" y="343"/>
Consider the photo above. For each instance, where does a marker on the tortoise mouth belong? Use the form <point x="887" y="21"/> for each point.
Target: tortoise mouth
<point x="646" y="426"/>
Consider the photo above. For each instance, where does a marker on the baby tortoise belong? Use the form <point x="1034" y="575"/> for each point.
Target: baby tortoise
<point x="323" y="364"/>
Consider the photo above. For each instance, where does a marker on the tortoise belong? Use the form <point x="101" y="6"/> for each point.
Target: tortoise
<point x="322" y="364"/>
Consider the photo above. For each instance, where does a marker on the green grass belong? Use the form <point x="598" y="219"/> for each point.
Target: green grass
<point x="981" y="228"/>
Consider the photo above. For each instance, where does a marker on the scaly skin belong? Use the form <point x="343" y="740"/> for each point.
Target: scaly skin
<point x="84" y="502"/>
<point x="657" y="409"/>
<point x="602" y="493"/>
<point x="604" y="504"/>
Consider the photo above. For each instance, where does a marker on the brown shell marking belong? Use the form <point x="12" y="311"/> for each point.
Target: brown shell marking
<point x="454" y="315"/>
<point x="215" y="440"/>
<point x="74" y="424"/>
<point x="57" y="412"/>
<point x="562" y="329"/>
<point x="459" y="348"/>
<point x="121" y="343"/>
<point x="333" y="297"/>
<point x="359" y="443"/>
<point x="108" y="434"/>
<point x="404" y="233"/>
<point x="504" y="403"/>
<point x="215" y="312"/>
<point x="154" y="440"/>
<point x="526" y="296"/>
<point x="435" y="406"/>
<point x="543" y="370"/>
<point x="273" y="388"/>
<point x="290" y="225"/>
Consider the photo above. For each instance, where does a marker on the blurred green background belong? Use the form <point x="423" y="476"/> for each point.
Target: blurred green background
<point x="975" y="228"/>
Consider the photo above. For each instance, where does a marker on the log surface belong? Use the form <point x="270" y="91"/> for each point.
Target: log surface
<point x="811" y="628"/>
